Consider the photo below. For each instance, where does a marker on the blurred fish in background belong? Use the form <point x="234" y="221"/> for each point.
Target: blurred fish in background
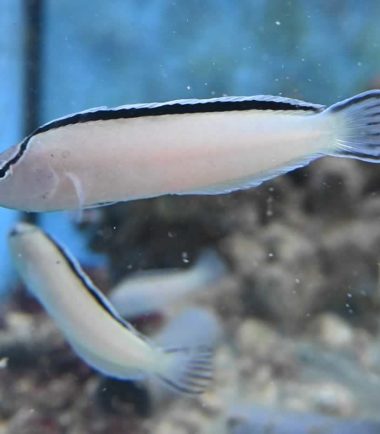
<point x="150" y="291"/>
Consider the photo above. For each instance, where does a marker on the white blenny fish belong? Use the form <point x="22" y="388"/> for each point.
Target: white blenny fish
<point x="92" y="326"/>
<point x="156" y="290"/>
<point x="212" y="146"/>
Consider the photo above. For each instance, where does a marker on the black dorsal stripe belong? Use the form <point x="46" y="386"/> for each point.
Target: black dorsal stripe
<point x="90" y="287"/>
<point x="224" y="104"/>
<point x="7" y="166"/>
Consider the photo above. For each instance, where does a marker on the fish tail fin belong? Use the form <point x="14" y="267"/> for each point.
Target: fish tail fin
<point x="187" y="370"/>
<point x="359" y="127"/>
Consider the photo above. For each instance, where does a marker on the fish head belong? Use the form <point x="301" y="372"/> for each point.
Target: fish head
<point x="27" y="181"/>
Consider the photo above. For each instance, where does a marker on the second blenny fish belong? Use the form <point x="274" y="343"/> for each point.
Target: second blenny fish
<point x="92" y="326"/>
<point x="210" y="146"/>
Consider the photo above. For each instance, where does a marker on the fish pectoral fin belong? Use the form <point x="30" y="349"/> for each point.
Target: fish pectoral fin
<point x="79" y="193"/>
<point x="187" y="370"/>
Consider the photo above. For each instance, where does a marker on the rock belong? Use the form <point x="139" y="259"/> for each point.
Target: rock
<point x="331" y="330"/>
<point x="256" y="339"/>
<point x="323" y="396"/>
<point x="333" y="178"/>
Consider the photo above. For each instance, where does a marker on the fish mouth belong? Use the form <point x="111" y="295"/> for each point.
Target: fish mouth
<point x="21" y="228"/>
